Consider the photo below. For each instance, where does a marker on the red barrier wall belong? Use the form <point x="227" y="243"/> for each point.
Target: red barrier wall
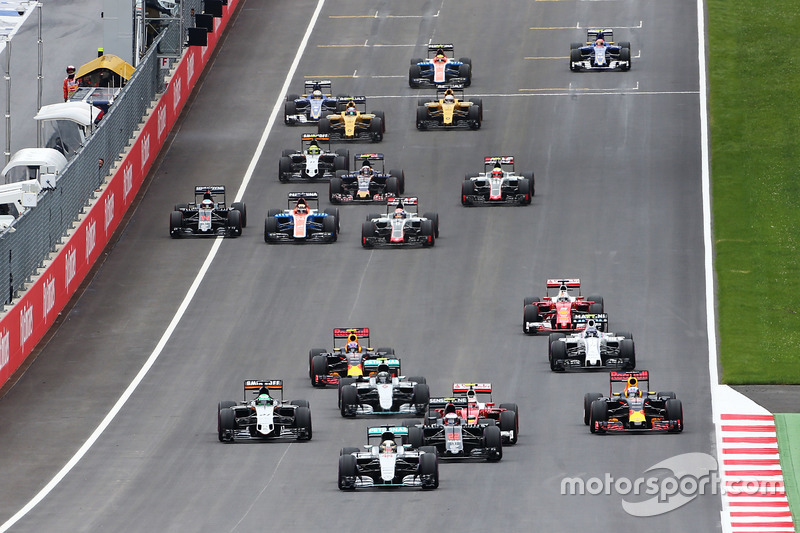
<point x="27" y="321"/>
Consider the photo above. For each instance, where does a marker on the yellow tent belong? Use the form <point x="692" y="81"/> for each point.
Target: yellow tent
<point x="106" y="71"/>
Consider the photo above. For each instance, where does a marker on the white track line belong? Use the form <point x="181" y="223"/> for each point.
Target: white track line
<point x="183" y="307"/>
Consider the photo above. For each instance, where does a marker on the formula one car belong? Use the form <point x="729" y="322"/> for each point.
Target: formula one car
<point x="440" y="68"/>
<point x="400" y="226"/>
<point x="455" y="436"/>
<point x="302" y="223"/>
<point x="348" y="358"/>
<point x="311" y="106"/>
<point x="384" y="394"/>
<point x="449" y="110"/>
<point x="563" y="312"/>
<point x="591" y="348"/>
<point x="261" y="416"/>
<point x="387" y="460"/>
<point x="633" y="408"/>
<point x="352" y="122"/>
<point x="367" y="183"/>
<point x="498" y="184"/>
<point x="206" y="216"/>
<point x="314" y="160"/>
<point x="600" y="52"/>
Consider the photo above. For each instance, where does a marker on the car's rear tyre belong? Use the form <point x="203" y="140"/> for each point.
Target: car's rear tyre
<point x="597" y="300"/>
<point x="532" y="180"/>
<point x="393" y="186"/>
<point x="384" y="351"/>
<point x="319" y="367"/>
<point x="270" y="226"/>
<point x="467" y="190"/>
<point x="175" y="224"/>
<point x="422" y="396"/>
<point x="465" y="71"/>
<point x="348" y="468"/>
<point x="558" y="351"/>
<point x="573" y="46"/>
<point x="334" y="187"/>
<point x="340" y="163"/>
<point x="553" y="337"/>
<point x="324" y="125"/>
<point x="414" y="73"/>
<point x="334" y="212"/>
<point x="382" y="116"/>
<point x="416" y="436"/>
<point x="530" y="313"/>
<point x="302" y="421"/>
<point x="588" y="398"/>
<point x="509" y="421"/>
<point x="329" y="226"/>
<point x="289" y="109"/>
<point x="474" y="118"/>
<point x="434" y="217"/>
<point x="478" y="102"/>
<point x="627" y="350"/>
<point x="625" y="55"/>
<point x="426" y="230"/>
<point x="300" y="403"/>
<point x="624" y="334"/>
<point x="666" y="395"/>
<point x="311" y="354"/>
<point x="401" y="179"/>
<point x="235" y="223"/>
<point x="524" y="188"/>
<point x="226" y="421"/>
<point x="242" y="208"/>
<point x="493" y="439"/>
<point x="376" y="129"/>
<point x="422" y="117"/>
<point x="530" y="300"/>
<point x="343" y="382"/>
<point x="417" y="379"/>
<point x="574" y="59"/>
<point x="349" y="399"/>
<point x="367" y="232"/>
<point x="674" y="409"/>
<point x="599" y="413"/>
<point x="348" y="450"/>
<point x="429" y="469"/>
<point x="344" y="152"/>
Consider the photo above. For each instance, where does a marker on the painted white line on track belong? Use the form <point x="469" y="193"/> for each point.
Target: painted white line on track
<point x="53" y="483"/>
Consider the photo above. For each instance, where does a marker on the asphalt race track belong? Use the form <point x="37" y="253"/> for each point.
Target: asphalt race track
<point x="617" y="163"/>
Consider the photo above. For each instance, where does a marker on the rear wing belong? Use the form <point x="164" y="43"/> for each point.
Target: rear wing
<point x="360" y="102"/>
<point x="495" y="161"/>
<point x="316" y="138"/>
<point x="572" y="283"/>
<point x="483" y="388"/>
<point x="404" y="202"/>
<point x="372" y="366"/>
<point x="433" y="48"/>
<point x="456" y="89"/>
<point x="606" y="34"/>
<point x="439" y="403"/>
<point x="313" y="85"/>
<point x="308" y="196"/>
<point x="631" y="378"/>
<point x="387" y="432"/>
<point x="598" y="318"/>
<point x="340" y="334"/>
<point x="255" y="385"/>
<point x="368" y="157"/>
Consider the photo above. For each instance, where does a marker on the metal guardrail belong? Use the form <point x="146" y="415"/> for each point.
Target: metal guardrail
<point x="37" y="233"/>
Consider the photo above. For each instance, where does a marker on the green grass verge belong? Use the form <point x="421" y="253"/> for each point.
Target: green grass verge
<point x="787" y="427"/>
<point x="754" y="76"/>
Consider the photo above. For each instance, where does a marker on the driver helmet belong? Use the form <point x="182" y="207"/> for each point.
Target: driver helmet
<point x="563" y="296"/>
<point x="71" y="69"/>
<point x="350" y="111"/>
<point x="313" y="149"/>
<point x="497" y="172"/>
<point x="207" y="204"/>
<point x="388" y="446"/>
<point x="471" y="396"/>
<point x="633" y="392"/>
<point x="366" y="170"/>
<point x="600" y="42"/>
<point x="450" y="419"/>
<point x="399" y="213"/>
<point x="302" y="206"/>
<point x="316" y="94"/>
<point x="353" y="347"/>
<point x="264" y="399"/>
<point x="449" y="99"/>
<point x="383" y="377"/>
<point x="591" y="331"/>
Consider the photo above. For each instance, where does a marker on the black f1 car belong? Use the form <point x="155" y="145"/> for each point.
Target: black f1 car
<point x="634" y="408"/>
<point x="261" y="416"/>
<point x="368" y="183"/>
<point x="440" y="67"/>
<point x="301" y="222"/>
<point x="207" y="216"/>
<point x="388" y="461"/>
<point x="600" y="52"/>
<point x="400" y="226"/>
<point x="314" y="160"/>
<point x="498" y="184"/>
<point x="351" y="351"/>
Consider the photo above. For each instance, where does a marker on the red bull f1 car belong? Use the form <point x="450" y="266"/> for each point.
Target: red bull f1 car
<point x="633" y="408"/>
<point x="563" y="312"/>
<point x="440" y="67"/>
<point x="208" y="215"/>
<point x="301" y="222"/>
<point x="314" y="160"/>
<point x="368" y="182"/>
<point x="263" y="415"/>
<point x="600" y="52"/>
<point x="498" y="184"/>
<point x="388" y="460"/>
<point x="351" y="351"/>
<point x="400" y="226"/>
<point x="591" y="348"/>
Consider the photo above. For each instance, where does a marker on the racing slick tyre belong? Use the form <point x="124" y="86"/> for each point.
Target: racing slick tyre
<point x="435" y="218"/>
<point x="289" y="109"/>
<point x="552" y="338"/>
<point x="627" y="350"/>
<point x="382" y="116"/>
<point x="300" y="403"/>
<point x="416" y="436"/>
<point x="492" y="439"/>
<point x="273" y="212"/>
<point x="530" y="314"/>
<point x="319" y="367"/>
<point x="421" y="397"/>
<point x="529" y="176"/>
<point x="429" y="470"/>
<point x="466" y="60"/>
<point x="416" y="61"/>
<point x="588" y="398"/>
<point x="401" y="179"/>
<point x="334" y="213"/>
<point x="288" y="152"/>
<point x="667" y="395"/>
<point x="242" y="208"/>
<point x="344" y="152"/>
<point x="313" y="352"/>
<point x="597" y="300"/>
<point x="393" y="186"/>
<point x="324" y="125"/>
<point x="340" y="163"/>
<point x="224" y="404"/>
<point x="226" y="421"/>
<point x="596" y="309"/>
<point x="334" y="187"/>
<point x="367" y="232"/>
<point x="422" y="117"/>
<point x="574" y="59"/>
<point x="674" y="409"/>
<point x="175" y="224"/>
<point x="426" y="230"/>
<point x="467" y="190"/>
<point x="414" y="72"/>
<point x="179" y="207"/>
<point x="598" y="413"/>
<point x="465" y="71"/>
<point x="384" y="351"/>
<point x="302" y="421"/>
<point x="429" y="449"/>
<point x="509" y="421"/>
<point x="524" y="188"/>
<point x="558" y="351"/>
<point x="291" y="97"/>
<point x="417" y="379"/>
<point x="270" y="226"/>
<point x="376" y="130"/>
<point x="372" y="216"/>
<point x="573" y="46"/>
<point x="349" y="399"/>
<point x="348" y="450"/>
<point x="422" y="101"/>
<point x="348" y="468"/>
<point x="625" y="55"/>
<point x="477" y="102"/>
<point x="624" y="334"/>
<point x="624" y="44"/>
<point x="530" y="300"/>
<point x="343" y="382"/>
<point x="474" y="118"/>
<point x="234" y="223"/>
